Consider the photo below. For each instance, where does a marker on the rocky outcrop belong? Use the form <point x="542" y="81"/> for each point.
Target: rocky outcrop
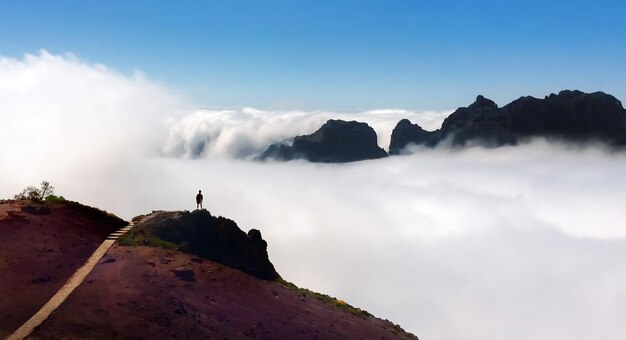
<point x="573" y="115"/>
<point x="184" y="274"/>
<point x="215" y="238"/>
<point x="570" y="115"/>
<point x="337" y="141"/>
<point x="36" y="209"/>
<point x="480" y="123"/>
<point x="406" y="133"/>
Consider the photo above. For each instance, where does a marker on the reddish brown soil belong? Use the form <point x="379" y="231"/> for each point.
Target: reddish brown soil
<point x="133" y="293"/>
<point x="38" y="253"/>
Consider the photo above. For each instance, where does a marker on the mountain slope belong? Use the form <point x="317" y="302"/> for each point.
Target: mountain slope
<point x="336" y="141"/>
<point x="573" y="116"/>
<point x="41" y="246"/>
<point x="143" y="292"/>
<point x="176" y="275"/>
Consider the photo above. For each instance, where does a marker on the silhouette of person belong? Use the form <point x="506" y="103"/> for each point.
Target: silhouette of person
<point x="199" y="200"/>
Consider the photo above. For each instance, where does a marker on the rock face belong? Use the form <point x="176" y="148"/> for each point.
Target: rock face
<point x="36" y="209"/>
<point x="215" y="238"/>
<point x="406" y="133"/>
<point x="480" y="122"/>
<point x="570" y="115"/>
<point x="337" y="141"/>
<point x="184" y="274"/>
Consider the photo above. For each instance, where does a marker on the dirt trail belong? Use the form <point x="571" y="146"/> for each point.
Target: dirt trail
<point x="69" y="286"/>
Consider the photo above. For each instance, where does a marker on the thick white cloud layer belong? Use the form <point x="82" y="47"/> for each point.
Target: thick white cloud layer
<point x="63" y="116"/>
<point x="513" y="243"/>
<point x="245" y="133"/>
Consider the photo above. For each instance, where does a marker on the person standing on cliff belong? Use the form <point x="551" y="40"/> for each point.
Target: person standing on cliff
<point x="199" y="200"/>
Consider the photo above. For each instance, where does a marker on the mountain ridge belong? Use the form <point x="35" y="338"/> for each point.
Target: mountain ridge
<point x="573" y="116"/>
<point x="570" y="115"/>
<point x="160" y="281"/>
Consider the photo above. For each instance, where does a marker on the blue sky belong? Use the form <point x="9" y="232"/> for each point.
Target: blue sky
<point x="336" y="54"/>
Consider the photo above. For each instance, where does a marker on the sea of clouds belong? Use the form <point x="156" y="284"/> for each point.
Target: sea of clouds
<point x="522" y="242"/>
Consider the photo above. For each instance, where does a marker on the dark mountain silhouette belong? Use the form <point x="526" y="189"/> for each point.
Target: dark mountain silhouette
<point x="570" y="115"/>
<point x="406" y="133"/>
<point x="214" y="238"/>
<point x="337" y="141"/>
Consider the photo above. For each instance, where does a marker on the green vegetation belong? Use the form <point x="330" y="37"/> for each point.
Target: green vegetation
<point x="45" y="194"/>
<point x="53" y="198"/>
<point x="45" y="191"/>
<point x="142" y="237"/>
<point x="127" y="241"/>
<point x="287" y="284"/>
<point x="153" y="240"/>
<point x="341" y="304"/>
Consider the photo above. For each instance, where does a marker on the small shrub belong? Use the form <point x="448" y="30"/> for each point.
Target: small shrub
<point x="29" y="193"/>
<point x="143" y="238"/>
<point x="44" y="191"/>
<point x="161" y="243"/>
<point x="53" y="198"/>
<point x="127" y="241"/>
